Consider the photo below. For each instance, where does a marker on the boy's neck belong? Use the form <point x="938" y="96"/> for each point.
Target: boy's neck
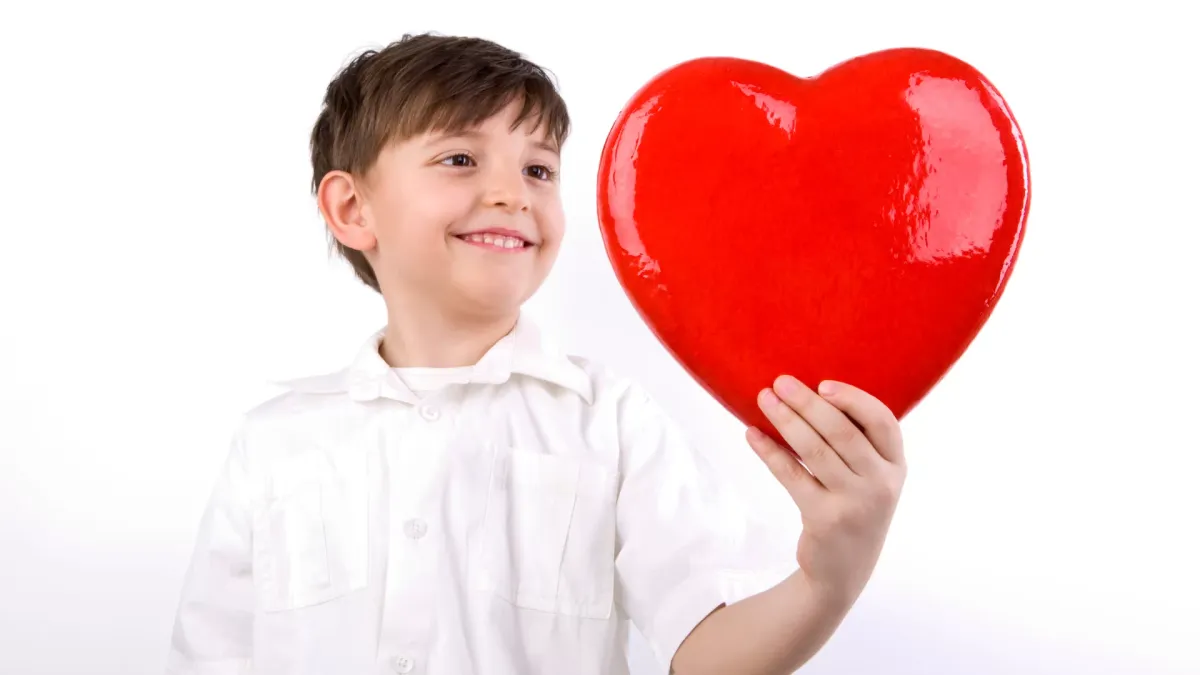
<point x="440" y="340"/>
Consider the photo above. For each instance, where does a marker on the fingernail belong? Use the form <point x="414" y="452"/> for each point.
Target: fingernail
<point x="827" y="388"/>
<point x="754" y="434"/>
<point x="768" y="398"/>
<point x="788" y="385"/>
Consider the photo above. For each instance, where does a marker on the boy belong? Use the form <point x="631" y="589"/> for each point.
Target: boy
<point x="463" y="499"/>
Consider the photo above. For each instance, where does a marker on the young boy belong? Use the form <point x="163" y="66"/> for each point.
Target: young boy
<point x="463" y="499"/>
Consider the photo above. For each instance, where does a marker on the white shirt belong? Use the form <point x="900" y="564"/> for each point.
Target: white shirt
<point x="512" y="518"/>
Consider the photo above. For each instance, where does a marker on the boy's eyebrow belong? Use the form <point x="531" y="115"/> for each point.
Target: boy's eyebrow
<point x="473" y="134"/>
<point x="548" y="147"/>
<point x="439" y="136"/>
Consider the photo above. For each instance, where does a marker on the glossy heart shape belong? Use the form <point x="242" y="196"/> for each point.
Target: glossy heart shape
<point x="859" y="225"/>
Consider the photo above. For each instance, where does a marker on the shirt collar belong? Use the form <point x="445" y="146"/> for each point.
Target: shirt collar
<point x="523" y="351"/>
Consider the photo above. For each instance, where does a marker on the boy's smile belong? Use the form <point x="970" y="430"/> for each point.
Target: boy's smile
<point x="499" y="239"/>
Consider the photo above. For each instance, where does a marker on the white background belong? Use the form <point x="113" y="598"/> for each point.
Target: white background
<point x="161" y="260"/>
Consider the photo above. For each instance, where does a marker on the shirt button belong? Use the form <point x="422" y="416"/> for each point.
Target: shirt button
<point x="430" y="413"/>
<point x="403" y="664"/>
<point x="415" y="528"/>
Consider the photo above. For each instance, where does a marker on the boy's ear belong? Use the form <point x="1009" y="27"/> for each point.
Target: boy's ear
<point x="340" y="199"/>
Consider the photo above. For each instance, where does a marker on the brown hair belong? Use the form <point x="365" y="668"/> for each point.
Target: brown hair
<point x="423" y="83"/>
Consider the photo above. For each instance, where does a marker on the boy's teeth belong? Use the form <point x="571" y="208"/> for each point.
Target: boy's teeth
<point x="499" y="241"/>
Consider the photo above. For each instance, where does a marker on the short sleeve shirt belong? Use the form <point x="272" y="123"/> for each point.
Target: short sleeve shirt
<point x="517" y="517"/>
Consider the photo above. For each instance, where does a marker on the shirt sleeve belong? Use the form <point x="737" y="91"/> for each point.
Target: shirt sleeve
<point x="682" y="544"/>
<point x="213" y="629"/>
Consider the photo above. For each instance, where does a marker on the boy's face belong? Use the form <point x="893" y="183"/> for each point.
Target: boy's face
<point x="470" y="221"/>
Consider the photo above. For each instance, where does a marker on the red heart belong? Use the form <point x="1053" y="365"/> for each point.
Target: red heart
<point x="857" y="226"/>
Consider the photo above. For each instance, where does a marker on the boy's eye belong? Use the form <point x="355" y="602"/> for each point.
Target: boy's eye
<point x="460" y="159"/>
<point x="541" y="172"/>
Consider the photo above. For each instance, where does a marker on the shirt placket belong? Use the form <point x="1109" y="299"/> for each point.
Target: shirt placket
<point x="413" y="455"/>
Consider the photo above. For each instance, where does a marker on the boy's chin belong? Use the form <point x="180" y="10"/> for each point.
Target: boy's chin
<point x="496" y="299"/>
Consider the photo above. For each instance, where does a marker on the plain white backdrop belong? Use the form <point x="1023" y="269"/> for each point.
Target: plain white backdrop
<point x="162" y="261"/>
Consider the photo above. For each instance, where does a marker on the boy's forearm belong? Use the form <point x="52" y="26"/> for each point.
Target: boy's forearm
<point x="772" y="633"/>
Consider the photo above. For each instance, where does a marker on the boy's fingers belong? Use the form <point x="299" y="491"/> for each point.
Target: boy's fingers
<point x="875" y="419"/>
<point x="834" y="427"/>
<point x="784" y="465"/>
<point x="808" y="445"/>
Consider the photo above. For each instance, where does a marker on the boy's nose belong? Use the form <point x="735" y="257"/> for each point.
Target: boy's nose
<point x="507" y="192"/>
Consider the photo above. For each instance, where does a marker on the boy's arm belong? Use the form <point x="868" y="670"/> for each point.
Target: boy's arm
<point x="844" y="468"/>
<point x="214" y="624"/>
<point x="688" y="575"/>
<point x="774" y="632"/>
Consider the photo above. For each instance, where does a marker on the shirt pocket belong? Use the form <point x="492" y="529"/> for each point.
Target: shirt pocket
<point x="310" y="546"/>
<point x="548" y="536"/>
